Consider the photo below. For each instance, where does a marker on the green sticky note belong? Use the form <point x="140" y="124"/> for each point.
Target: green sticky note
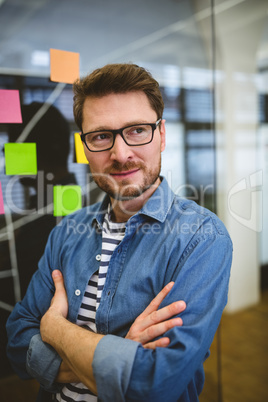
<point x="67" y="199"/>
<point x="20" y="158"/>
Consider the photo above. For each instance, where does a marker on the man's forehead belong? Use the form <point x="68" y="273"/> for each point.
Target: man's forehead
<point x="118" y="108"/>
<point x="116" y="95"/>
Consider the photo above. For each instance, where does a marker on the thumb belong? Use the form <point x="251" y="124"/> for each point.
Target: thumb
<point x="59" y="301"/>
<point x="58" y="279"/>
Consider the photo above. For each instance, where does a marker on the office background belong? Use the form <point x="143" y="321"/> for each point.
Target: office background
<point x="211" y="59"/>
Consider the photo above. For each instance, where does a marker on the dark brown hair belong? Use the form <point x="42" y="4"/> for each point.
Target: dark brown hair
<point x="116" y="78"/>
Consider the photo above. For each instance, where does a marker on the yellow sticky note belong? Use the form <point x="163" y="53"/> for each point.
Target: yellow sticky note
<point x="64" y="66"/>
<point x="79" y="149"/>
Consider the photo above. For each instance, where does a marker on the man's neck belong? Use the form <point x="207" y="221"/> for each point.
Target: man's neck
<point x="122" y="211"/>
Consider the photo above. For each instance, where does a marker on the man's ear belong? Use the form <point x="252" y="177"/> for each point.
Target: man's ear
<point x="163" y="135"/>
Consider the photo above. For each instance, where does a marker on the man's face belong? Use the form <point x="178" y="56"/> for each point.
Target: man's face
<point x="124" y="172"/>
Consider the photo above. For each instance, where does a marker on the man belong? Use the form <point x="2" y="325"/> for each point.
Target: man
<point x="139" y="296"/>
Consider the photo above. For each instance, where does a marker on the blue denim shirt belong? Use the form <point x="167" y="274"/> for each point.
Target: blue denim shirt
<point x="169" y="239"/>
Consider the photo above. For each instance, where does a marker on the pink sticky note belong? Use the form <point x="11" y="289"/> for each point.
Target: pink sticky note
<point x="2" y="211"/>
<point x="10" y="111"/>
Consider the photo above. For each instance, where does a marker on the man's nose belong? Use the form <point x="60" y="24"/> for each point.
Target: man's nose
<point x="121" y="151"/>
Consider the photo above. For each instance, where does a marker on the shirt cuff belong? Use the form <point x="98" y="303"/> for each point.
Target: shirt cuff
<point x="43" y="364"/>
<point x="112" y="366"/>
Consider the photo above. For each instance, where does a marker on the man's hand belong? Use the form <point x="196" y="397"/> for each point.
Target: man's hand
<point x="75" y="345"/>
<point x="152" y="322"/>
<point x="58" y="306"/>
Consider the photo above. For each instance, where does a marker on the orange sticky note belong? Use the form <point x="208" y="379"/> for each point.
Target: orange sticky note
<point x="79" y="149"/>
<point x="10" y="111"/>
<point x="64" y="66"/>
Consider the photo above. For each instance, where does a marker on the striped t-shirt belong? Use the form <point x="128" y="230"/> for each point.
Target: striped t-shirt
<point x="112" y="234"/>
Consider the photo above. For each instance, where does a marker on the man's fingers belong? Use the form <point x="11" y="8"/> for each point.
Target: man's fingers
<point x="155" y="303"/>
<point x="159" y="329"/>
<point x="157" y="323"/>
<point x="162" y="315"/>
<point x="160" y="343"/>
<point x="59" y="301"/>
<point x="152" y="323"/>
<point x="58" y="280"/>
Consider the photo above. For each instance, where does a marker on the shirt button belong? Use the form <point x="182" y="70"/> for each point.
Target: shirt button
<point x="77" y="292"/>
<point x="98" y="257"/>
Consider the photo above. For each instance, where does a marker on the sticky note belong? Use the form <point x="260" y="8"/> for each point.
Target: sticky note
<point x="10" y="111"/>
<point x="66" y="199"/>
<point x="2" y="210"/>
<point x="64" y="66"/>
<point x="79" y="149"/>
<point x="21" y="158"/>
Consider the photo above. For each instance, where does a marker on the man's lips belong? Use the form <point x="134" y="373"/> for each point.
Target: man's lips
<point x="125" y="173"/>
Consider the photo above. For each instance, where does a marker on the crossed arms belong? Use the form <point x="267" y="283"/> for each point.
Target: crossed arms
<point x="76" y="346"/>
<point x="127" y="365"/>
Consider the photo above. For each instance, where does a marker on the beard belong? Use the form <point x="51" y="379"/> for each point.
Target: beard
<point x="125" y="190"/>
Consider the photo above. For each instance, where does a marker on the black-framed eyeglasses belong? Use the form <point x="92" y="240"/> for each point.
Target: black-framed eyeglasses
<point x="134" y="136"/>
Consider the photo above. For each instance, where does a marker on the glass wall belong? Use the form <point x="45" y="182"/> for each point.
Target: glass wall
<point x="162" y="36"/>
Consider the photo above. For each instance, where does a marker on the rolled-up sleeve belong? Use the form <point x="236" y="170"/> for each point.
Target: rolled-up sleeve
<point x="119" y="354"/>
<point x="43" y="363"/>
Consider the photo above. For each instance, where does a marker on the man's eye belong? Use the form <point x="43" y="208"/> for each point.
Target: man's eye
<point x="139" y="130"/>
<point x="101" y="137"/>
<point x="136" y="130"/>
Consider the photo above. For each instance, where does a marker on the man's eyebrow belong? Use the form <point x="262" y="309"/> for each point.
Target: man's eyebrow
<point x="131" y="123"/>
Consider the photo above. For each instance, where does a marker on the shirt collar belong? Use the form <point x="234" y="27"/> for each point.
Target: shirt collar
<point x="159" y="204"/>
